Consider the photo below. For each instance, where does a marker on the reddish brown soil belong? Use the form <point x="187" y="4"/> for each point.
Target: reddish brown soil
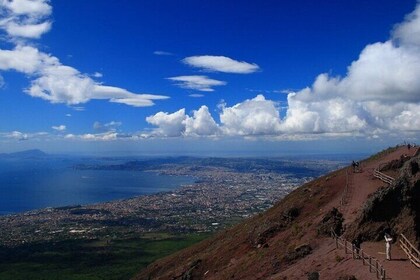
<point x="324" y="260"/>
<point x="258" y="247"/>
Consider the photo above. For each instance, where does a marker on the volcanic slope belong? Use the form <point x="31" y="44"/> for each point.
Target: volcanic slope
<point x="291" y="240"/>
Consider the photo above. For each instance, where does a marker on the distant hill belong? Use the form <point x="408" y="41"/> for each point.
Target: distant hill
<point x="292" y="239"/>
<point x="27" y="154"/>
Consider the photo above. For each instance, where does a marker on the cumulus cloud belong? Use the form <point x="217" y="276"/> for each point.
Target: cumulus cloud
<point x="378" y="94"/>
<point x="252" y="117"/>
<point x="60" y="128"/>
<point x="197" y="82"/>
<point x="256" y="116"/>
<point x="380" y="91"/>
<point x="201" y="123"/>
<point x="51" y="80"/>
<point x="169" y="125"/>
<point x="220" y="64"/>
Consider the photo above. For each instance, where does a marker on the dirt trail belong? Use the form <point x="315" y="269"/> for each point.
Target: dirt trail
<point x="361" y="186"/>
<point x="334" y="262"/>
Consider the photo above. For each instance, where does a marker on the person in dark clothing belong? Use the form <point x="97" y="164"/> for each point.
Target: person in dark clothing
<point x="357" y="242"/>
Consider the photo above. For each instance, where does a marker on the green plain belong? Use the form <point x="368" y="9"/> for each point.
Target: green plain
<point x="90" y="259"/>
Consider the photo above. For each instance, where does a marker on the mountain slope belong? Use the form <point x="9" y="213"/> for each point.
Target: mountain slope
<point x="27" y="154"/>
<point x="289" y="240"/>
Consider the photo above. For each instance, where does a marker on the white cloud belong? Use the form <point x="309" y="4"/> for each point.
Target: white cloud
<point x="162" y="53"/>
<point x="25" y="18"/>
<point x="23" y="59"/>
<point x="197" y="82"/>
<point x="256" y="116"/>
<point x="17" y="135"/>
<point x="59" y="83"/>
<point x="379" y="95"/>
<point x="196" y="95"/>
<point x="106" y="136"/>
<point x="169" y="125"/>
<point x="27" y="30"/>
<point x="28" y="7"/>
<point x="220" y="64"/>
<point x="201" y="123"/>
<point x="51" y="80"/>
<point x="408" y="32"/>
<point x="23" y="136"/>
<point x="60" y="128"/>
<point x="97" y="75"/>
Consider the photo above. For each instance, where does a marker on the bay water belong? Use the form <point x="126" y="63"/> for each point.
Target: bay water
<point x="32" y="184"/>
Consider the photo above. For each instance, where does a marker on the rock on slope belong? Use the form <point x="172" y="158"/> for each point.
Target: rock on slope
<point x="267" y="244"/>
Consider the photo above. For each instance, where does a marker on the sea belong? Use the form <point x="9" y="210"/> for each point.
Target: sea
<point x="28" y="184"/>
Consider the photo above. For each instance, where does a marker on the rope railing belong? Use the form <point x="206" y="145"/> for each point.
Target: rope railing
<point x="383" y="177"/>
<point x="374" y="265"/>
<point x="412" y="253"/>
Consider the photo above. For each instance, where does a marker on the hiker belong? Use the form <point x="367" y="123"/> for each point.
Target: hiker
<point x="388" y="240"/>
<point x="357" y="242"/>
<point x="408" y="146"/>
<point x="354" y="166"/>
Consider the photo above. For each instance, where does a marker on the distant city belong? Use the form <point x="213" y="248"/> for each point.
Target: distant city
<point x="225" y="191"/>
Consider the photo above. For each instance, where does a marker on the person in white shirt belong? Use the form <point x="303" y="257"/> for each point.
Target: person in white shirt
<point x="388" y="240"/>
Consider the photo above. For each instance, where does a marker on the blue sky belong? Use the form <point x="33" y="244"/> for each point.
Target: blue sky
<point x="208" y="77"/>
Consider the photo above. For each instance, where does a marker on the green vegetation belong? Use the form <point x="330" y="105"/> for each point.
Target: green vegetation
<point x="91" y="260"/>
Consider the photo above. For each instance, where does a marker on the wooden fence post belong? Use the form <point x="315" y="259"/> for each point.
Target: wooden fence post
<point x="370" y="264"/>
<point x="363" y="257"/>
<point x="377" y="270"/>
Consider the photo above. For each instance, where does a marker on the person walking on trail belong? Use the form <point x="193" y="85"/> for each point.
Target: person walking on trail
<point x="357" y="242"/>
<point x="388" y="240"/>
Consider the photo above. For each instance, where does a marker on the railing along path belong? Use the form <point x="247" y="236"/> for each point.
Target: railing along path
<point x="383" y="177"/>
<point x="374" y="265"/>
<point x="412" y="253"/>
